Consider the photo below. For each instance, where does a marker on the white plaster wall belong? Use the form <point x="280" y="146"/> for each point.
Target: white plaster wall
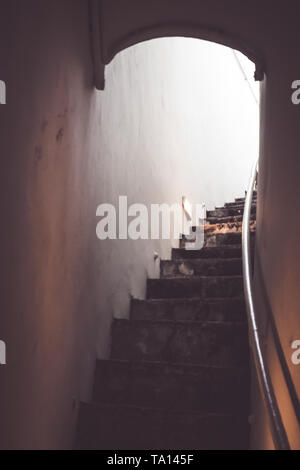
<point x="201" y="123"/>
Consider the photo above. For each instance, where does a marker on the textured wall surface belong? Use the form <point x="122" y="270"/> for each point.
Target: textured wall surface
<point x="278" y="259"/>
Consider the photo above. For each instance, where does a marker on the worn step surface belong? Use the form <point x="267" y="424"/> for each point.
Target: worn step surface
<point x="242" y="199"/>
<point x="228" y="227"/>
<point x="238" y="204"/>
<point x="227" y="251"/>
<point x="217" y="239"/>
<point x="204" y="343"/>
<point x="228" y="219"/>
<point x="218" y="228"/>
<point x="172" y="386"/>
<point x="229" y="211"/>
<point x="111" y="427"/>
<point x="228" y="309"/>
<point x="203" y="287"/>
<point x="201" y="267"/>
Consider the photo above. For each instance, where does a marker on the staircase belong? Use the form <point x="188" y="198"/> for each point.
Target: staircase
<point x="178" y="377"/>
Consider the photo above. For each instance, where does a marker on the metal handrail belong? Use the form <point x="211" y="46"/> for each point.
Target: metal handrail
<point x="277" y="428"/>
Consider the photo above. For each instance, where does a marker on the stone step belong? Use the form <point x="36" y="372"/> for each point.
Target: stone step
<point x="215" y="229"/>
<point x="242" y="199"/>
<point x="200" y="287"/>
<point x="238" y="204"/>
<point x="218" y="228"/>
<point x="229" y="238"/>
<point x="228" y="227"/>
<point x="227" y="220"/>
<point x="201" y="267"/>
<point x="233" y="205"/>
<point x="227" y="251"/>
<point x="229" y="211"/>
<point x="172" y="386"/>
<point x="219" y="239"/>
<point x="204" y="343"/>
<point x="111" y="427"/>
<point x="230" y="309"/>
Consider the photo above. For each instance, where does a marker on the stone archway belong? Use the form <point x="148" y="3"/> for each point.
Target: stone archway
<point x="112" y="35"/>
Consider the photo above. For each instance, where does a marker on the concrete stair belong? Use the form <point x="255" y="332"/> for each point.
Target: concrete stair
<point x="197" y="309"/>
<point x="201" y="267"/>
<point x="202" y="286"/>
<point x="163" y="384"/>
<point x="230" y="211"/>
<point x="210" y="343"/>
<point x="178" y="376"/>
<point x="241" y="200"/>
<point x="208" y="252"/>
<point x="124" y="427"/>
<point x="228" y="219"/>
<point x="216" y="238"/>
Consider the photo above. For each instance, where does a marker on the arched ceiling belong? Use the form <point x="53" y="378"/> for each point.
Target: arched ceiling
<point x="121" y="24"/>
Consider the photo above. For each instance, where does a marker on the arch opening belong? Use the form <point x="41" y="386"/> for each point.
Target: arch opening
<point x="205" y="99"/>
<point x="104" y="51"/>
<point x="193" y="31"/>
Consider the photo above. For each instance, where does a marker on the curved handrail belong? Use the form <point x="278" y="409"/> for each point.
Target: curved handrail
<point x="277" y="428"/>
